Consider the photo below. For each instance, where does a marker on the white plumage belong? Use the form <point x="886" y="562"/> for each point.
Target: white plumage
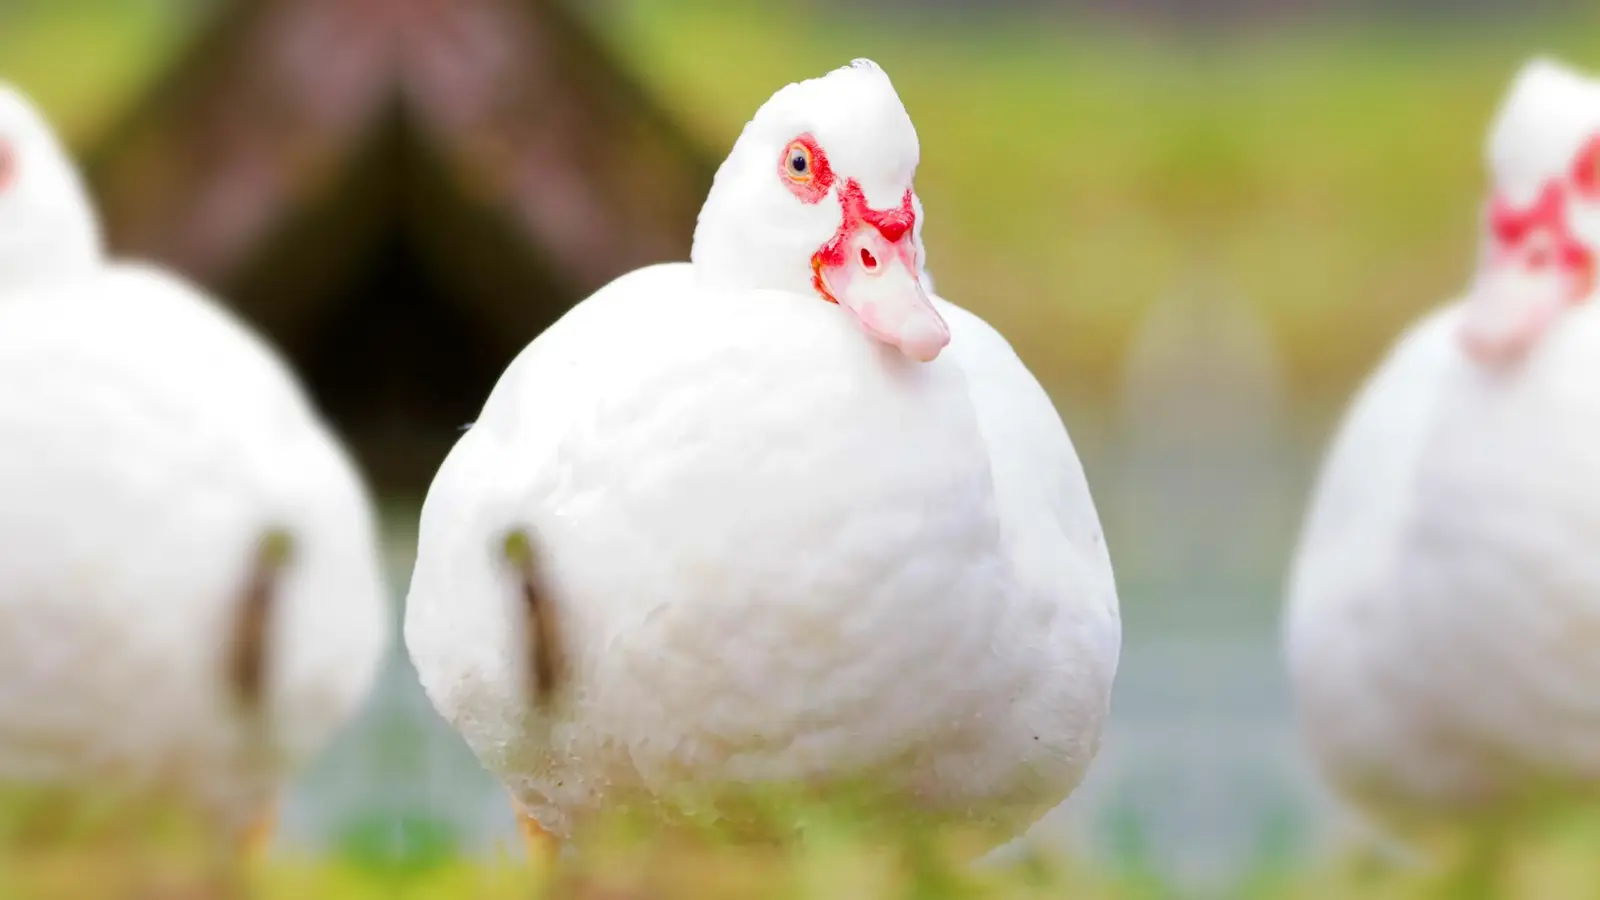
<point x="777" y="549"/>
<point x="150" y="447"/>
<point x="1445" y="601"/>
<point x="48" y="230"/>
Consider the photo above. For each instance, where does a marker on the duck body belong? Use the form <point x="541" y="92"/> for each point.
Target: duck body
<point x="149" y="444"/>
<point x="782" y="553"/>
<point x="1445" y="597"/>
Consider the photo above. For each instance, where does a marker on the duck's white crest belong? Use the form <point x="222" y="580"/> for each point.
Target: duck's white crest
<point x="845" y="224"/>
<point x="1547" y="114"/>
<point x="48" y="227"/>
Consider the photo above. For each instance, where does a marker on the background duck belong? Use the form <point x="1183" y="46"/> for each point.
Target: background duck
<point x="190" y="598"/>
<point x="1445" y="594"/>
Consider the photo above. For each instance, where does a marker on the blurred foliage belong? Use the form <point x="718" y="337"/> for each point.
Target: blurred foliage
<point x="1549" y="856"/>
<point x="1074" y="171"/>
<point x="85" y="61"/>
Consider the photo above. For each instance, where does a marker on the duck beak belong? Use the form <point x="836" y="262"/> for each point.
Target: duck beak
<point x="876" y="279"/>
<point x="1511" y="309"/>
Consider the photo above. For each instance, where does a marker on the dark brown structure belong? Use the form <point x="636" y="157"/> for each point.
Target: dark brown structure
<point x="400" y="193"/>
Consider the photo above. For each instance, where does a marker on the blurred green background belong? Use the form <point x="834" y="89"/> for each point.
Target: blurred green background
<point x="1200" y="233"/>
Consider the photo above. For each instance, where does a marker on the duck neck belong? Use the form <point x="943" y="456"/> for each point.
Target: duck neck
<point x="45" y="267"/>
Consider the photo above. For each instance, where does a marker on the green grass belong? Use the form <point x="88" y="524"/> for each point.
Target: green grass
<point x="55" y="846"/>
<point x="837" y="856"/>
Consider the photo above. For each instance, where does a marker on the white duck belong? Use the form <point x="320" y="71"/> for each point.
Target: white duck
<point x="1446" y="596"/>
<point x="707" y="534"/>
<point x="190" y="593"/>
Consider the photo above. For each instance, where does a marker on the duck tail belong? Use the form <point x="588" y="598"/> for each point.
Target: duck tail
<point x="247" y="656"/>
<point x="543" y="645"/>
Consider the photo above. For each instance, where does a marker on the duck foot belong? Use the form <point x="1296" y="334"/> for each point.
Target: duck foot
<point x="542" y="847"/>
<point x="256" y="839"/>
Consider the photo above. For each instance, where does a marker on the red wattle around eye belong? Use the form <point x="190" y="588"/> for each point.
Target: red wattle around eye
<point x="1586" y="168"/>
<point x="814" y="189"/>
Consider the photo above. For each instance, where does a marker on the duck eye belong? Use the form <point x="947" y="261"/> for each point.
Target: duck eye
<point x="803" y="169"/>
<point x="797" y="164"/>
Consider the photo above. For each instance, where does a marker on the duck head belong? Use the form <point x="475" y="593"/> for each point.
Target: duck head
<point x="1542" y="219"/>
<point x="47" y="225"/>
<point x="817" y="198"/>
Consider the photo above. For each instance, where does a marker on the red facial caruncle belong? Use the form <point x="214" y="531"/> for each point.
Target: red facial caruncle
<point x="8" y="165"/>
<point x="1585" y="173"/>
<point x="869" y="265"/>
<point x="892" y="224"/>
<point x="1540" y="237"/>
<point x="1538" y="265"/>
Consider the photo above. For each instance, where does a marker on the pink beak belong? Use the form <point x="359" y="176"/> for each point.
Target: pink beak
<point x="1509" y="311"/>
<point x="870" y="268"/>
<point x="1520" y="296"/>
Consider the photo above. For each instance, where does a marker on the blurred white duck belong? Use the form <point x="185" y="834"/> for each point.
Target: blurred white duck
<point x="707" y="534"/>
<point x="1446" y="596"/>
<point x="190" y="594"/>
